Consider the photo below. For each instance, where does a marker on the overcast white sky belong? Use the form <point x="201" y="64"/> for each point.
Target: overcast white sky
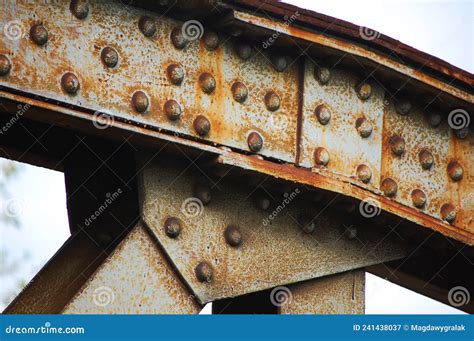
<point x="442" y="28"/>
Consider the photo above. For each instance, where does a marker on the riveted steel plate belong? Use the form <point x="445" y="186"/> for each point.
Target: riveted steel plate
<point x="76" y="46"/>
<point x="346" y="148"/>
<point x="435" y="182"/>
<point x="273" y="251"/>
<point x="134" y="279"/>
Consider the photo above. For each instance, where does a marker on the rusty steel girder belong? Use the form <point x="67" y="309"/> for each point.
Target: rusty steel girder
<point x="338" y="128"/>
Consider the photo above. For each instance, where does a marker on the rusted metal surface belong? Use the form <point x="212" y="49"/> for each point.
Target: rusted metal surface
<point x="269" y="249"/>
<point x="339" y="135"/>
<point x="135" y="279"/>
<point x="69" y="68"/>
<point x="57" y="282"/>
<point x="342" y="293"/>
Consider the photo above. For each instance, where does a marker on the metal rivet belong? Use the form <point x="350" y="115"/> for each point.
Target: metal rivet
<point x="70" y="83"/>
<point x="272" y="101"/>
<point x="175" y="74"/>
<point x="172" y="227"/>
<point x="262" y="201"/>
<point x="243" y="50"/>
<point x="364" y="173"/>
<point x="364" y="91"/>
<point x="306" y="224"/>
<point x="172" y="110"/>
<point x="322" y="74"/>
<point x="233" y="236"/>
<point x="461" y="133"/>
<point x="403" y="107"/>
<point x="147" y="26"/>
<point x="5" y="65"/>
<point x="140" y="101"/>
<point x="39" y="34"/>
<point x="79" y="8"/>
<point x="321" y="156"/>
<point x="350" y="233"/>
<point x="203" y="193"/>
<point x="455" y="171"/>
<point x="255" y="141"/>
<point x="323" y="114"/>
<point x="211" y="40"/>
<point x="280" y="63"/>
<point x="177" y="38"/>
<point x="207" y="82"/>
<point x="434" y="119"/>
<point x="109" y="56"/>
<point x="426" y="159"/>
<point x="239" y="92"/>
<point x="418" y="198"/>
<point x="202" y="125"/>
<point x="397" y="144"/>
<point x="364" y="127"/>
<point x="389" y="187"/>
<point x="204" y="272"/>
<point x="448" y="213"/>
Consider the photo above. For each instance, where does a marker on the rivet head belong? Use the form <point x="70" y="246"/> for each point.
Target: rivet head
<point x="272" y="101"/>
<point x="322" y="75"/>
<point x="70" y="83"/>
<point x="140" y="101"/>
<point x="177" y="38"/>
<point x="321" y="156"/>
<point x="434" y="119"/>
<point x="203" y="193"/>
<point x="323" y="114"/>
<point x="389" y="187"/>
<point x="455" y="171"/>
<point x="109" y="56"/>
<point x="262" y="201"/>
<point x="172" y="227"/>
<point x="448" y="213"/>
<point x="243" y="50"/>
<point x="211" y="40"/>
<point x="364" y="91"/>
<point x="418" y="198"/>
<point x="233" y="236"/>
<point x="202" y="125"/>
<point x="461" y="133"/>
<point x="239" y="92"/>
<point x="172" y="110"/>
<point x="397" y="145"/>
<point x="364" y="127"/>
<point x="175" y="74"/>
<point x="79" y="8"/>
<point x="147" y="26"/>
<point x="403" y="107"/>
<point x="207" y="82"/>
<point x="280" y="63"/>
<point x="364" y="173"/>
<point x="255" y="141"/>
<point x="5" y="65"/>
<point x="39" y="34"/>
<point x="306" y="224"/>
<point x="204" y="272"/>
<point x="426" y="159"/>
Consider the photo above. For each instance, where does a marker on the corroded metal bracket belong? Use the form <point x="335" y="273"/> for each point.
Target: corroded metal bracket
<point x="224" y="244"/>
